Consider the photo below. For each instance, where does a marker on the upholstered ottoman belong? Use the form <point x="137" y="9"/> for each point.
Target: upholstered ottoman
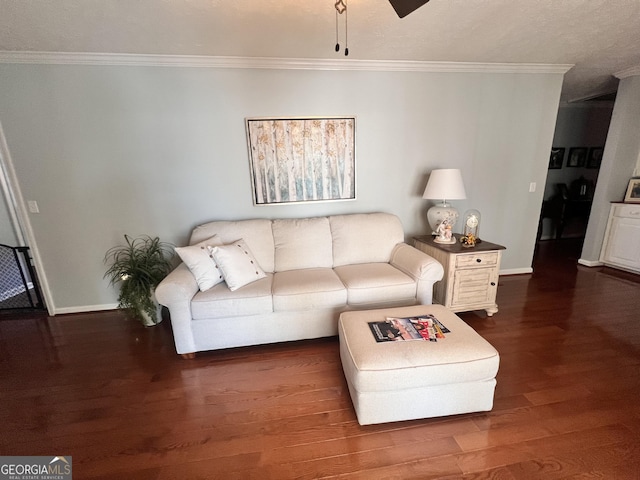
<point x="409" y="379"/>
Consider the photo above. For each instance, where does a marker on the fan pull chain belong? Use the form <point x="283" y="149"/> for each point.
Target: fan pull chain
<point x="341" y="7"/>
<point x="346" y="32"/>
<point x="337" y="40"/>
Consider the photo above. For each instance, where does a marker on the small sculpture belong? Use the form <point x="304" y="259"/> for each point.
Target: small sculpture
<point x="444" y="233"/>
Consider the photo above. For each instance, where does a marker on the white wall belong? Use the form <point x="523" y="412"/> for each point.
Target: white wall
<point x="618" y="162"/>
<point x="7" y="233"/>
<point x="7" y="229"/>
<point x="109" y="150"/>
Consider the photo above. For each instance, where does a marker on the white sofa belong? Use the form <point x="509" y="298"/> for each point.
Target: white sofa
<point x="316" y="268"/>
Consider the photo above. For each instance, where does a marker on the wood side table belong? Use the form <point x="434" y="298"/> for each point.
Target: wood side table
<point x="470" y="279"/>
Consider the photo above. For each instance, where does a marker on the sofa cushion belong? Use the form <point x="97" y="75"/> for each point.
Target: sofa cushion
<point x="302" y="243"/>
<point x="376" y="283"/>
<point x="364" y="237"/>
<point x="237" y="263"/>
<point x="200" y="261"/>
<point x="256" y="233"/>
<point x="220" y="302"/>
<point x="307" y="289"/>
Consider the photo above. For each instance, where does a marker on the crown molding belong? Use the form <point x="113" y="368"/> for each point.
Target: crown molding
<point x="629" y="72"/>
<point x="124" y="59"/>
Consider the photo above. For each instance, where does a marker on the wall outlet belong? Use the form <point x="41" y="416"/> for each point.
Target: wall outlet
<point x="532" y="187"/>
<point x="33" y="206"/>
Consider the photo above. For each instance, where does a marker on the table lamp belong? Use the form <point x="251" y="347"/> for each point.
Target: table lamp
<point x="444" y="184"/>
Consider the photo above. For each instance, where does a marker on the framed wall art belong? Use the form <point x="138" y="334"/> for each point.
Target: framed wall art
<point x="595" y="157"/>
<point x="577" y="157"/>
<point x="557" y="158"/>
<point x="302" y="159"/>
<point x="633" y="191"/>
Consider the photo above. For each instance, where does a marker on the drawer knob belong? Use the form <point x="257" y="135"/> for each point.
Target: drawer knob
<point x="493" y="284"/>
<point x="478" y="260"/>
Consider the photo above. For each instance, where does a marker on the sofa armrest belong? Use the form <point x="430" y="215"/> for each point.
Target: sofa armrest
<point x="178" y="286"/>
<point x="176" y="292"/>
<point x="423" y="268"/>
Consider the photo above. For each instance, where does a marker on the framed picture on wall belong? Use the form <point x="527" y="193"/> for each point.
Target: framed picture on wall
<point x="595" y="157"/>
<point x="557" y="158"/>
<point x="633" y="191"/>
<point x="577" y="157"/>
<point x="302" y="159"/>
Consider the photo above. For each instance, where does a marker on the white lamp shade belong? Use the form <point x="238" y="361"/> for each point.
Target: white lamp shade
<point x="445" y="184"/>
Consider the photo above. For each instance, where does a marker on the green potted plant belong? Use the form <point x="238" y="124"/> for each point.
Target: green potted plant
<point x="138" y="267"/>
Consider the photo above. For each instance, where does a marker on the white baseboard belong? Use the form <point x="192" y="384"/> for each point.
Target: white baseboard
<point x="516" y="271"/>
<point x="590" y="263"/>
<point x="86" y="308"/>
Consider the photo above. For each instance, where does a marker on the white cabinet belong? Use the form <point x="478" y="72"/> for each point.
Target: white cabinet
<point x="621" y="247"/>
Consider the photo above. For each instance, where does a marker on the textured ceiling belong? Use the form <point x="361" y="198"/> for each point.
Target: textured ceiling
<point x="600" y="37"/>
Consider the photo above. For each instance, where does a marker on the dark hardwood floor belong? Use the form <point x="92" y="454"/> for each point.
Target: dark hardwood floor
<point x="116" y="397"/>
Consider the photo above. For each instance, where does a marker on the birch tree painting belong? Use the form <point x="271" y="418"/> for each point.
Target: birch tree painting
<point x="302" y="159"/>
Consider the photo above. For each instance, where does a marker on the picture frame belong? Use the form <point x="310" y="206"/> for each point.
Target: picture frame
<point x="595" y="157"/>
<point x="577" y="157"/>
<point x="302" y="159"/>
<point x="556" y="159"/>
<point x="633" y="191"/>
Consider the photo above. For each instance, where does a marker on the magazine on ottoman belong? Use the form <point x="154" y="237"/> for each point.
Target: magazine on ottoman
<point x="423" y="327"/>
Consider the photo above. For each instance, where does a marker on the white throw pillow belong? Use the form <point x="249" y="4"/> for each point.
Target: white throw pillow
<point x="200" y="261"/>
<point x="238" y="265"/>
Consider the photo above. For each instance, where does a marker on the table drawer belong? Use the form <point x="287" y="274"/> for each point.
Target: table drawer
<point x="627" y="211"/>
<point x="476" y="259"/>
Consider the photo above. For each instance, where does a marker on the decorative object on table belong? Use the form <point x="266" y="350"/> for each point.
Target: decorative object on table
<point x="471" y="228"/>
<point x="444" y="184"/>
<point x="469" y="240"/>
<point x="138" y="267"/>
<point x="633" y="191"/>
<point x="444" y="233"/>
<point x="302" y="159"/>
<point x="577" y="157"/>
<point x="472" y="223"/>
<point x="557" y="158"/>
<point x="595" y="157"/>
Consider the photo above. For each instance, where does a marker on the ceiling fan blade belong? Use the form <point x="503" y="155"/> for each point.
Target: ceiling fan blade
<point x="405" y="7"/>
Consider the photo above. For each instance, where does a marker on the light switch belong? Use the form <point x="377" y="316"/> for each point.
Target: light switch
<point x="33" y="206"/>
<point x="532" y="187"/>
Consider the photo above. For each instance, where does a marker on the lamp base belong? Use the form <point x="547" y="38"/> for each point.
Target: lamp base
<point x="439" y="213"/>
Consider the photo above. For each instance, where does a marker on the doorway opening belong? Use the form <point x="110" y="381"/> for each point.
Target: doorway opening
<point x="19" y="285"/>
<point x="574" y="164"/>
